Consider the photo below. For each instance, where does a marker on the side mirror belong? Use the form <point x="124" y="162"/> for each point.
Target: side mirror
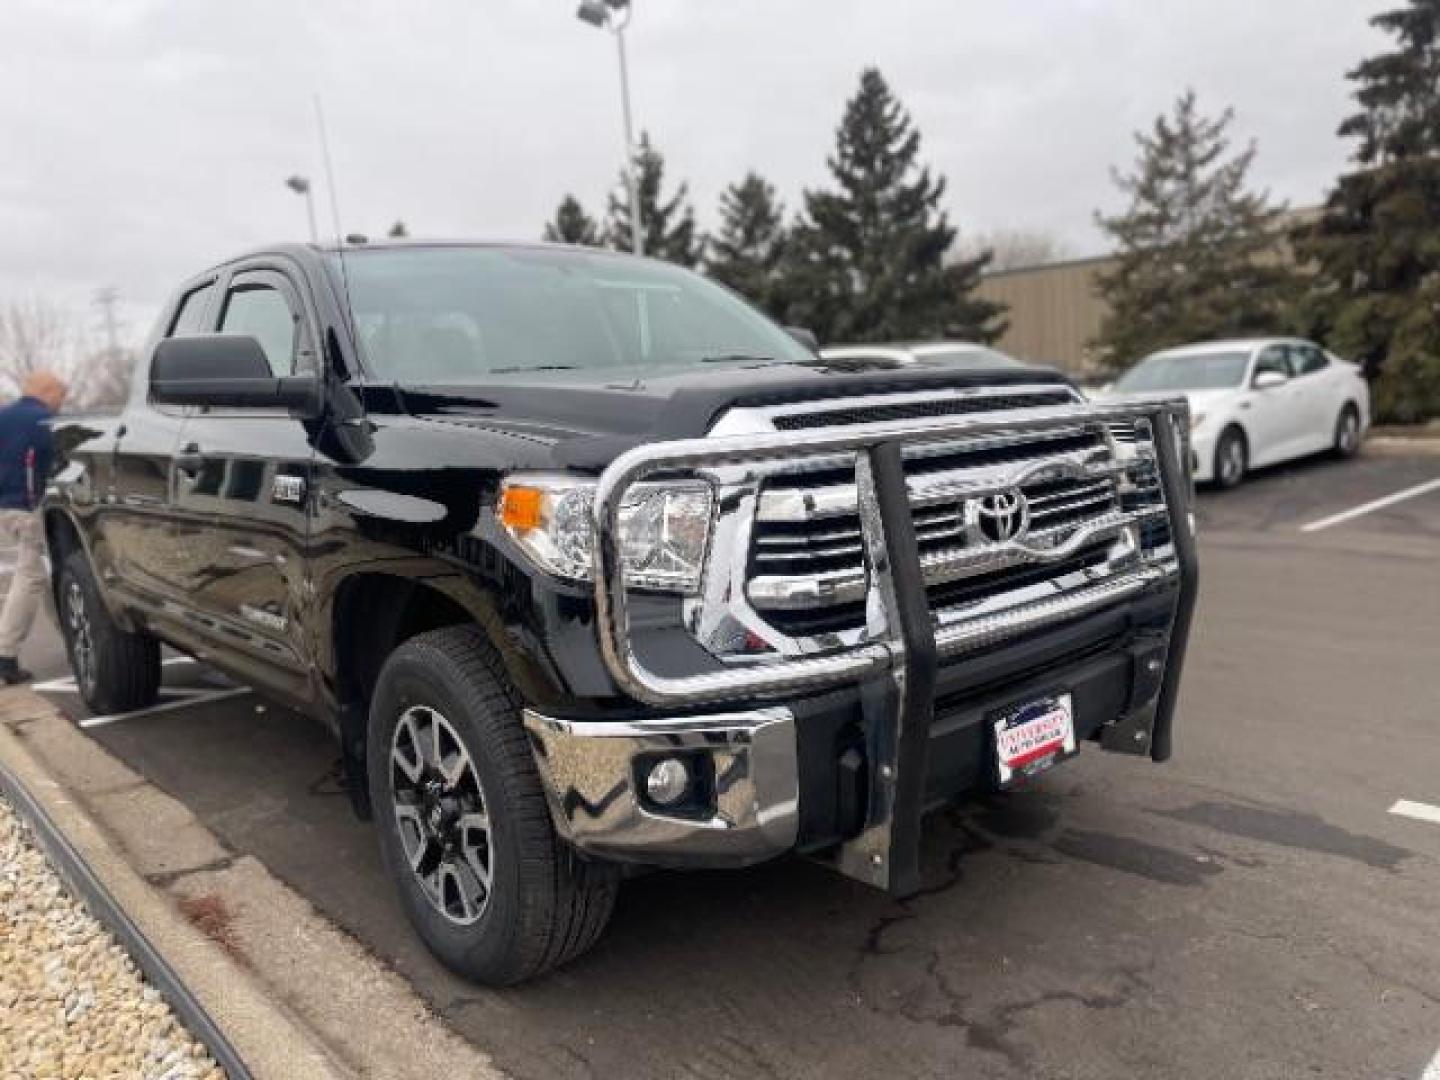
<point x="228" y="371"/>
<point x="805" y="337"/>
<point x="1269" y="380"/>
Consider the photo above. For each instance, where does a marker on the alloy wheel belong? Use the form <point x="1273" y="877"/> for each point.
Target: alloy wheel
<point x="82" y="638"/>
<point x="1232" y="462"/>
<point x="1349" y="433"/>
<point x="441" y="815"/>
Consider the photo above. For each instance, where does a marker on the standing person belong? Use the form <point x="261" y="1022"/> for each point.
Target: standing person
<point x="25" y="455"/>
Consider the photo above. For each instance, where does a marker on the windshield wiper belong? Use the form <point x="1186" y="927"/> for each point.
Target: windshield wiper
<point x="741" y="358"/>
<point x="539" y="367"/>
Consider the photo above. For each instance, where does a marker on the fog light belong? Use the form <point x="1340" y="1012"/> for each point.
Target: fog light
<point x="667" y="781"/>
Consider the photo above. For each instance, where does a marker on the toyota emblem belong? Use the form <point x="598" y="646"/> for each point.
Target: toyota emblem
<point x="1002" y="517"/>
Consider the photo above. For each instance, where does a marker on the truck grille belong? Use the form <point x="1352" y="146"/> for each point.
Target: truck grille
<point x="1089" y="495"/>
<point x="832" y="543"/>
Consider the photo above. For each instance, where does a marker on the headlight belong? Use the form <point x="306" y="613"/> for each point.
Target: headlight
<point x="663" y="537"/>
<point x="1196" y="419"/>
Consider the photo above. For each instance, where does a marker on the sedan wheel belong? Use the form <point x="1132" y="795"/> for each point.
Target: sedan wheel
<point x="1347" y="433"/>
<point x="1231" y="459"/>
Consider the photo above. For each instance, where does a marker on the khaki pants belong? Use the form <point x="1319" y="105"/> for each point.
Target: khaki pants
<point x="27" y="583"/>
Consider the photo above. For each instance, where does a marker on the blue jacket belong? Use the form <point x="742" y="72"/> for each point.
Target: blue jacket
<point x="25" y="453"/>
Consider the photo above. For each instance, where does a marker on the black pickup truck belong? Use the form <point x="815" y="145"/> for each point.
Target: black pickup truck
<point x="589" y="565"/>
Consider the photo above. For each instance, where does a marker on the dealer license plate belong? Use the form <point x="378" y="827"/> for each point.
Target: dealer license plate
<point x="1032" y="737"/>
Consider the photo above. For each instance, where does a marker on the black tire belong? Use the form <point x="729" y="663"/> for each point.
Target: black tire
<point x="116" y="670"/>
<point x="1232" y="459"/>
<point x="1347" y="433"/>
<point x="544" y="905"/>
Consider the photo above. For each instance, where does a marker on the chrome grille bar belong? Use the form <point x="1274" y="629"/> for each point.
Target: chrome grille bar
<point x="760" y="454"/>
<point x="848" y="586"/>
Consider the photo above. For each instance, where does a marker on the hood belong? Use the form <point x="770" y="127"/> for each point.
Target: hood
<point x="593" y="416"/>
<point x="1200" y="400"/>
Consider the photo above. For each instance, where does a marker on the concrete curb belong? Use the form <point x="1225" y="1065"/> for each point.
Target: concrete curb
<point x="294" y="995"/>
<point x="1402" y="445"/>
<point x="267" y="1039"/>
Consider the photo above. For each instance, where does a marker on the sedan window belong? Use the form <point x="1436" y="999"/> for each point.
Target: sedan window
<point x="1218" y="370"/>
<point x="1274" y="358"/>
<point x="1308" y="359"/>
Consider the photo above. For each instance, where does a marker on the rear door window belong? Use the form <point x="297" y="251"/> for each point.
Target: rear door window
<point x="1308" y="359"/>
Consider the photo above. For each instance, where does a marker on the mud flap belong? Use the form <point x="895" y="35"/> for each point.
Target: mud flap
<point x="353" y="719"/>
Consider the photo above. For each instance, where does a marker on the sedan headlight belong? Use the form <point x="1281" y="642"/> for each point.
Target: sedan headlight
<point x="1196" y="419"/>
<point x="664" y="528"/>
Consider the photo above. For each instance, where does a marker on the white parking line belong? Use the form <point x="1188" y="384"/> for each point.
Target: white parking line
<point x="1365" y="508"/>
<point x="169" y="706"/>
<point x="1418" y="810"/>
<point x="66" y="683"/>
<point x="1432" y="1071"/>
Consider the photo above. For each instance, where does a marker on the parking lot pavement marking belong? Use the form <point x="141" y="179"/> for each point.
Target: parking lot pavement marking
<point x="66" y="683"/>
<point x="63" y="685"/>
<point x="1432" y="1071"/>
<point x="202" y="698"/>
<point x="1420" y="812"/>
<point x="1377" y="504"/>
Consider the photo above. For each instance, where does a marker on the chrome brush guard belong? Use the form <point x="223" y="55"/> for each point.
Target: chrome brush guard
<point x="896" y="652"/>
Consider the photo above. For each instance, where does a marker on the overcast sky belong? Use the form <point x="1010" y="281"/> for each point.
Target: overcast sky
<point x="141" y="140"/>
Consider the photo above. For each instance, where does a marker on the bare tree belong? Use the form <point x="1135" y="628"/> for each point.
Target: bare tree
<point x="36" y="333"/>
<point x="100" y="380"/>
<point x="1015" y="249"/>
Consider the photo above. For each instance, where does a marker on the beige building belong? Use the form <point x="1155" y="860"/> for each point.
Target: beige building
<point x="1053" y="311"/>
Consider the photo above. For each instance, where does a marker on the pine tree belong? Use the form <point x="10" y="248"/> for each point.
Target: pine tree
<point x="1377" y="245"/>
<point x="1197" y="253"/>
<point x="868" y="259"/>
<point x="746" y="253"/>
<point x="398" y="230"/>
<point x="572" y="225"/>
<point x="667" y="225"/>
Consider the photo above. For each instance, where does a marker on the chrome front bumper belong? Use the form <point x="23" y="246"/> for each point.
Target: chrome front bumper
<point x="592" y="775"/>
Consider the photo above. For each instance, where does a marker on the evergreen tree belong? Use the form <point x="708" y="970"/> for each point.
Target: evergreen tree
<point x="1377" y="245"/>
<point x="746" y="253"/>
<point x="868" y="260"/>
<point x="572" y="225"/>
<point x="398" y="230"/>
<point x="1197" y="250"/>
<point x="667" y="225"/>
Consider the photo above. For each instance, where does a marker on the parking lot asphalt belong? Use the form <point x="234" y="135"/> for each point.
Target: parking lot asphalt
<point x="1251" y="909"/>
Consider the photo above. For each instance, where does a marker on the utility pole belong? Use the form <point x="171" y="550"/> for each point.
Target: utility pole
<point x="615" y="15"/>
<point x="301" y="186"/>
<point x="106" y="299"/>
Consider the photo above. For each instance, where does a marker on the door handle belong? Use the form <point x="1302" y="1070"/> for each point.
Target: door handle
<point x="189" y="460"/>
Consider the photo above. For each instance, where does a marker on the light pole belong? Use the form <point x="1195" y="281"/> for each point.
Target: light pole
<point x="301" y="186"/>
<point x="614" y="15"/>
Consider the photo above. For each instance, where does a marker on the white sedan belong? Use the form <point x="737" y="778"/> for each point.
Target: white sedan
<point x="1256" y="402"/>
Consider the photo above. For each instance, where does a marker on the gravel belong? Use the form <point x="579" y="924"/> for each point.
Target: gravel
<point x="72" y="1003"/>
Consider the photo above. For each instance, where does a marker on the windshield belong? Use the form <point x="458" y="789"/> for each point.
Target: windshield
<point x="1219" y="370"/>
<point x="461" y="315"/>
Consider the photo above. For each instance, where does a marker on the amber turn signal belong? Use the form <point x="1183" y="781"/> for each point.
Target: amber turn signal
<point x="520" y="507"/>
